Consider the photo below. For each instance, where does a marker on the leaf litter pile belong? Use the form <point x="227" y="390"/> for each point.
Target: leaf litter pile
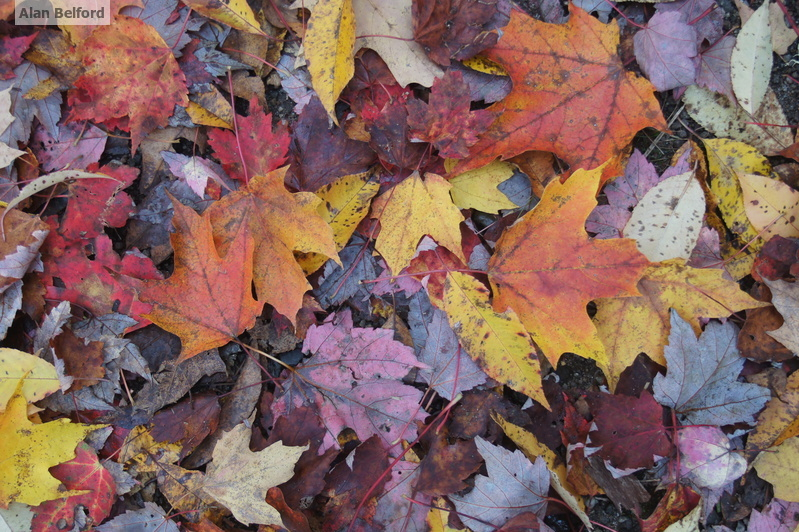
<point x="401" y="265"/>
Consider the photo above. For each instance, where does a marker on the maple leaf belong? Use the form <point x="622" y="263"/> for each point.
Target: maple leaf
<point x="11" y="50"/>
<point x="548" y="269"/>
<point x="40" y="377"/>
<point x="666" y="50"/>
<point x="140" y="80"/>
<point x="280" y="224"/>
<point x="96" y="203"/>
<point x="412" y="209"/>
<point x="447" y="121"/>
<point x="103" y="284"/>
<point x="244" y="494"/>
<point x="641" y="324"/>
<point x="353" y="380"/>
<point x="457" y="29"/>
<point x="707" y="457"/>
<point x="570" y="95"/>
<point x="29" y="450"/>
<point x="82" y="473"/>
<point x="513" y="486"/>
<point x="77" y="146"/>
<point x="498" y="341"/>
<point x="208" y="298"/>
<point x="629" y="430"/>
<point x="262" y="149"/>
<point x="702" y="378"/>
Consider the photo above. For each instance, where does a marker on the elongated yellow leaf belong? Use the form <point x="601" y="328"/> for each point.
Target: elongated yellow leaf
<point x="771" y="205"/>
<point x="235" y="13"/>
<point x="330" y="49"/>
<point x="780" y="467"/>
<point x="498" y="342"/>
<point x="477" y="189"/>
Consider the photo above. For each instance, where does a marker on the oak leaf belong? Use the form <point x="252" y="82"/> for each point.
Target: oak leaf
<point x="29" y="450"/>
<point x="547" y="269"/>
<point x="280" y="224"/>
<point x="130" y="72"/>
<point x="571" y="94"/>
<point x="412" y="209"/>
<point x="208" y="298"/>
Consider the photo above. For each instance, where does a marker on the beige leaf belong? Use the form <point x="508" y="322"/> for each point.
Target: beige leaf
<point x="771" y="205"/>
<point x="785" y="297"/>
<point x="725" y="119"/>
<point x="379" y="22"/>
<point x="666" y="222"/>
<point x="239" y="478"/>
<point x="751" y="60"/>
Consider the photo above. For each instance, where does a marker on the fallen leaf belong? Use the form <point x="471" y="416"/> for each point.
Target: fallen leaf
<point x="195" y="171"/>
<point x="547" y="269"/>
<point x="785" y="296"/>
<point x="204" y="314"/>
<point x="235" y="13"/>
<point x="255" y="150"/>
<point x="40" y="379"/>
<point x="456" y="29"/>
<point x="77" y="146"/>
<point x="477" y="189"/>
<point x="29" y="450"/>
<point x="571" y="94"/>
<point x="701" y="383"/>
<point x="330" y="49"/>
<point x="707" y="457"/>
<point x="771" y="206"/>
<point x="353" y="380"/>
<point x="280" y="224"/>
<point x="778" y="516"/>
<point x="111" y="87"/>
<point x="714" y="67"/>
<point x="778" y="466"/>
<point x="777" y="422"/>
<point x="666" y="222"/>
<point x="513" y="485"/>
<point x="751" y="60"/>
<point x="629" y="431"/>
<point x="726" y="120"/>
<point x="447" y="121"/>
<point x="244" y="494"/>
<point x="666" y="50"/>
<point x="84" y="474"/>
<point x="378" y="22"/>
<point x="412" y="209"/>
<point x="151" y="518"/>
<point x="498" y="342"/>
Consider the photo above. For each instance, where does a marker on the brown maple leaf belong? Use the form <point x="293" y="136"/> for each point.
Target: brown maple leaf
<point x="571" y="94"/>
<point x="547" y="269"/>
<point x="208" y="299"/>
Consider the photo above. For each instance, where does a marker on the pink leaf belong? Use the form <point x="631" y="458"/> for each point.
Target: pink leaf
<point x="707" y="458"/>
<point x="666" y="51"/>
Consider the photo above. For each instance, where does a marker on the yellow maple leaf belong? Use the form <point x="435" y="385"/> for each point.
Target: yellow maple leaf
<point x="498" y="342"/>
<point x="30" y="450"/>
<point x="641" y="324"/>
<point x="40" y="378"/>
<point x="411" y="210"/>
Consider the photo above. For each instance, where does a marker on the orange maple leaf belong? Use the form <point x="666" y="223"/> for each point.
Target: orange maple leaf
<point x="571" y="94"/>
<point x="547" y="269"/>
<point x="281" y="223"/>
<point x="208" y="299"/>
<point x="130" y="72"/>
